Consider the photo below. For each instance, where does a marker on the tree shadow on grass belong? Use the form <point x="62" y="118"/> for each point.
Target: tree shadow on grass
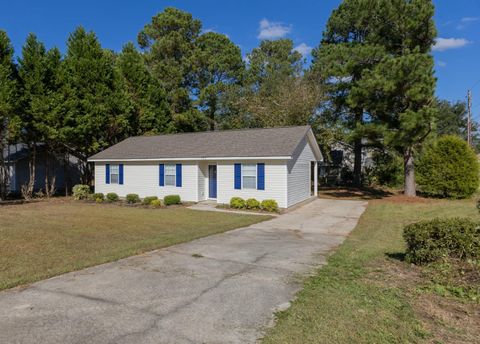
<point x="364" y="193"/>
<point x="400" y="256"/>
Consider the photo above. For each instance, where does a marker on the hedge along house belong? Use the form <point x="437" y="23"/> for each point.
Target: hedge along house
<point x="272" y="163"/>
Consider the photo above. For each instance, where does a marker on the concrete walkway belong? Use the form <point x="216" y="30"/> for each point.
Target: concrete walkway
<point x="219" y="289"/>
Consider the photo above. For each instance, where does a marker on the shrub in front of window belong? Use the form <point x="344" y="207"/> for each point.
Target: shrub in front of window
<point x="449" y="168"/>
<point x="112" y="197"/>
<point x="237" y="203"/>
<point x="156" y="203"/>
<point x="252" y="203"/>
<point x="80" y="191"/>
<point x="132" y="198"/>
<point x="148" y="200"/>
<point x="269" y="205"/>
<point x="430" y="241"/>
<point x="98" y="196"/>
<point x="171" y="199"/>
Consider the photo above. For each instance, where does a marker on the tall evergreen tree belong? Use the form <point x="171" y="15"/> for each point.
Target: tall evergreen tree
<point x="169" y="43"/>
<point x="8" y="95"/>
<point x="38" y="83"/>
<point x="93" y="108"/>
<point x="399" y="91"/>
<point x="349" y="47"/>
<point x="149" y="110"/>
<point x="216" y="64"/>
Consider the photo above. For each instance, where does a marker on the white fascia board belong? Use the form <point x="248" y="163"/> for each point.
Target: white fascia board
<point x="198" y="159"/>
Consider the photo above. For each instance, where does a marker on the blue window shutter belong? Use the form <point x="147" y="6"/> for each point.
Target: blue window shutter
<point x="107" y="173"/>
<point x="161" y="177"/>
<point x="179" y="175"/>
<point x="238" y="176"/>
<point x="260" y="176"/>
<point x="120" y="174"/>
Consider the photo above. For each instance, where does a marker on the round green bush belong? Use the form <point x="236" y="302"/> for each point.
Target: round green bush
<point x="430" y="241"/>
<point x="148" y="200"/>
<point x="252" y="203"/>
<point x="98" y="196"/>
<point x="269" y="205"/>
<point x="112" y="197"/>
<point x="171" y="199"/>
<point x="132" y="198"/>
<point x="237" y="203"/>
<point x="448" y="168"/>
<point x="80" y="191"/>
<point x="156" y="203"/>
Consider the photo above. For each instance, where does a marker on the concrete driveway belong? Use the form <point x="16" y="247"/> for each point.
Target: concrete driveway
<point x="220" y="289"/>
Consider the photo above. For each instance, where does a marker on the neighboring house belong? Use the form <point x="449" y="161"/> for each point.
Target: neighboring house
<point x="17" y="160"/>
<point x="273" y="163"/>
<point x="342" y="157"/>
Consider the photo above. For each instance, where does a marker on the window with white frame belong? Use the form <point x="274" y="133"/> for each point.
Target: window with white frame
<point x="170" y="174"/>
<point x="249" y="176"/>
<point x="114" y="174"/>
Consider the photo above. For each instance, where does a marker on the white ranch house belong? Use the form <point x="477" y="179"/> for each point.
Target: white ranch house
<point x="272" y="163"/>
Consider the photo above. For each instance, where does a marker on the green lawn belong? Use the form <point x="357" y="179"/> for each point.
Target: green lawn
<point x="357" y="299"/>
<point x="48" y="238"/>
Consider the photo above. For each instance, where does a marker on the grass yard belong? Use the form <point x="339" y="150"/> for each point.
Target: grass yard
<point x="368" y="294"/>
<point x="48" y="238"/>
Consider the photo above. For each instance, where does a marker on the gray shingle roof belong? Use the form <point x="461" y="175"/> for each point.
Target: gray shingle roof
<point x="216" y="144"/>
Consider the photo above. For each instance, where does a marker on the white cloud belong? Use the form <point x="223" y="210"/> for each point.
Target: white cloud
<point x="272" y="30"/>
<point x="303" y="49"/>
<point x="443" y="44"/>
<point x="465" y="21"/>
<point x="442" y="63"/>
<point x="469" y="19"/>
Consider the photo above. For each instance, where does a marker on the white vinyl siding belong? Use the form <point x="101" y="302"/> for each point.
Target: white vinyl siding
<point x="299" y="182"/>
<point x="142" y="178"/>
<point x="275" y="182"/>
<point x="202" y="181"/>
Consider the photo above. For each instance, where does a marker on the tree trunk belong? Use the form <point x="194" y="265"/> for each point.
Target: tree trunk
<point x="27" y="190"/>
<point x="357" y="166"/>
<point x="409" y="181"/>
<point x="357" y="149"/>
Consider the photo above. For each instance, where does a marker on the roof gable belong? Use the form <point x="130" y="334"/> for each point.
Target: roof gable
<point x="269" y="142"/>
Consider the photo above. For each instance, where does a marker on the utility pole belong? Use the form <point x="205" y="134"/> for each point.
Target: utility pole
<point x="469" y="118"/>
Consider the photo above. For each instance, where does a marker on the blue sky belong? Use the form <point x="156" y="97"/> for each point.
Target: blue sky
<point x="457" y="54"/>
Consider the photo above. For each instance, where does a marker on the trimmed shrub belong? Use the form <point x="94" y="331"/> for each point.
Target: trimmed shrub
<point x="269" y="205"/>
<point x="112" y="197"/>
<point x="237" y="203"/>
<point x="148" y="200"/>
<point x="448" y="168"/>
<point x="132" y="198"/>
<point x="156" y="203"/>
<point x="80" y="191"/>
<point x="99" y="200"/>
<point x="171" y="199"/>
<point x="430" y="241"/>
<point x="252" y="203"/>
<point x="98" y="196"/>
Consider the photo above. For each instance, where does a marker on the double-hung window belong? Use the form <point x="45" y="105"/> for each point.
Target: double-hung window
<point x="114" y="174"/>
<point x="249" y="176"/>
<point x="170" y="174"/>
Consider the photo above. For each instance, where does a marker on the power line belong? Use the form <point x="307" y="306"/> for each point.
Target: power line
<point x="475" y="84"/>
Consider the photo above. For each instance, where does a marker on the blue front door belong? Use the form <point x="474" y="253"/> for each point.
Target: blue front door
<point x="212" y="181"/>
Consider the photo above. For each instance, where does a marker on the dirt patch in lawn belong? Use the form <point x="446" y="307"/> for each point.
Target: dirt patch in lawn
<point x="446" y="319"/>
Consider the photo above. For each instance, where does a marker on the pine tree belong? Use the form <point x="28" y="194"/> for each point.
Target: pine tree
<point x="8" y="94"/>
